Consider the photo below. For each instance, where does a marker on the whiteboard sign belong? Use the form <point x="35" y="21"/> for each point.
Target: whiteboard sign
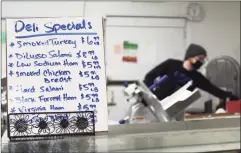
<point x="57" y="65"/>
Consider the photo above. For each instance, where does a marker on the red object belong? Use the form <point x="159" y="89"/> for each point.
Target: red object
<point x="129" y="59"/>
<point x="233" y="106"/>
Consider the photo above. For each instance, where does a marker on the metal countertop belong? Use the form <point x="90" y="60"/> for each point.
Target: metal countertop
<point x="197" y="136"/>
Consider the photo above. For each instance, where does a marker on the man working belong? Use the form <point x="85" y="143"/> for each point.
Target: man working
<point x="194" y="59"/>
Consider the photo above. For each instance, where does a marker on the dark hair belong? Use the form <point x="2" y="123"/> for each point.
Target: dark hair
<point x="194" y="50"/>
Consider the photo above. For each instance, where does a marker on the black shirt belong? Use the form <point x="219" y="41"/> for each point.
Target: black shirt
<point x="169" y="67"/>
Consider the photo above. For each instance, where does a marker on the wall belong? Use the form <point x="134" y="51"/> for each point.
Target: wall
<point x="219" y="32"/>
<point x="74" y="8"/>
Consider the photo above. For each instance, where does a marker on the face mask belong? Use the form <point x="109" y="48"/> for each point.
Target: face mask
<point x="197" y="65"/>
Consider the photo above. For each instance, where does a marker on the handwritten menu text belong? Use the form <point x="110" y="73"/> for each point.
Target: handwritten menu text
<point x="56" y="65"/>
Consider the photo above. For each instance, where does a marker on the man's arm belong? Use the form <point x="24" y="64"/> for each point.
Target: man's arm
<point x="159" y="70"/>
<point x="203" y="83"/>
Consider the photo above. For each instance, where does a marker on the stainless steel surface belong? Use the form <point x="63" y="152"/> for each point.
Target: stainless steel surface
<point x="224" y="72"/>
<point x="176" y="126"/>
<point x="156" y="141"/>
<point x="156" y="137"/>
<point x="180" y="116"/>
<point x="213" y="148"/>
<point x="149" y="97"/>
<point x="180" y="106"/>
<point x="144" y="103"/>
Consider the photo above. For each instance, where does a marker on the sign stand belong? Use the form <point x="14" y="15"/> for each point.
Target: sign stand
<point x="29" y="126"/>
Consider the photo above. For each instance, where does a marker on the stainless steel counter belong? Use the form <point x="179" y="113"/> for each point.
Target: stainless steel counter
<point x="194" y="136"/>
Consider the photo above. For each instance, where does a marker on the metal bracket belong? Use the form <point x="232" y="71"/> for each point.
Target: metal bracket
<point x="49" y="125"/>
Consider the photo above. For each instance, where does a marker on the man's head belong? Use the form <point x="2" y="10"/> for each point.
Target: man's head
<point x="194" y="57"/>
